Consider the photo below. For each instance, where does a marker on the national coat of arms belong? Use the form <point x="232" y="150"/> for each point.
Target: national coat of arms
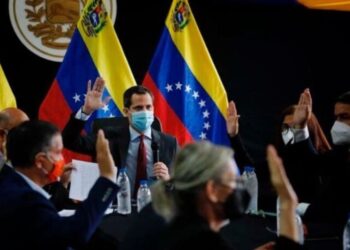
<point x="45" y="27"/>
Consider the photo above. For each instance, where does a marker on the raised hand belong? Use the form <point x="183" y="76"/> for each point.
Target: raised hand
<point x="303" y="110"/>
<point x="287" y="196"/>
<point x="232" y="117"/>
<point x="93" y="98"/>
<point x="104" y="157"/>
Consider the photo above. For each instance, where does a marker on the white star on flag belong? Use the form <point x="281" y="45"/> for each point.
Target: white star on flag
<point x="178" y="85"/>
<point x="188" y="88"/>
<point x="76" y="98"/>
<point x="206" y="125"/>
<point x="105" y="108"/>
<point x="203" y="136"/>
<point x="169" y="87"/>
<point x="202" y="103"/>
<point x="195" y="95"/>
<point x="206" y="114"/>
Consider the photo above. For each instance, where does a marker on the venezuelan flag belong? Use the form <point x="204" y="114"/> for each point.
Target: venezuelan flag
<point x="93" y="51"/>
<point x="190" y="99"/>
<point x="7" y="99"/>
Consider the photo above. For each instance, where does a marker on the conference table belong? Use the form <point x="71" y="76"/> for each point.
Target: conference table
<point x="140" y="231"/>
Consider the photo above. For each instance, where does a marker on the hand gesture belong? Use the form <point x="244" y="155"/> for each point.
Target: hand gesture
<point x="93" y="98"/>
<point x="65" y="176"/>
<point x="104" y="157"/>
<point x="161" y="171"/>
<point x="232" y="124"/>
<point x="288" y="198"/>
<point x="303" y="110"/>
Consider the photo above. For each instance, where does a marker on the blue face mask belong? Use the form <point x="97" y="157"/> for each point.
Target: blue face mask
<point x="142" y="120"/>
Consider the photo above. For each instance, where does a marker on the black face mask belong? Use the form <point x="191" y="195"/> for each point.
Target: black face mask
<point x="236" y="203"/>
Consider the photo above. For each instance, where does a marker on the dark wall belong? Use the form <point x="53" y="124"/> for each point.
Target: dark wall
<point x="265" y="54"/>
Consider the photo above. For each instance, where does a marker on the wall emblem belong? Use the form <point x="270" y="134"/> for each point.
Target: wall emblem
<point x="45" y="27"/>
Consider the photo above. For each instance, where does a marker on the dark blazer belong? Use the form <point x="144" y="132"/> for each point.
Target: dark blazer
<point x="30" y="221"/>
<point x="331" y="204"/>
<point x="118" y="141"/>
<point x="193" y="232"/>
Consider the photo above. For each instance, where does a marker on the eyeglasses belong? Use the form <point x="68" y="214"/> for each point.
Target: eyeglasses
<point x="237" y="183"/>
<point x="285" y="127"/>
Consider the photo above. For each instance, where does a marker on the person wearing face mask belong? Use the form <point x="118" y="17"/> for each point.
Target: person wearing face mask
<point x="208" y="193"/>
<point x="125" y="142"/>
<point x="10" y="118"/>
<point x="28" y="219"/>
<point x="332" y="204"/>
<point x="310" y="182"/>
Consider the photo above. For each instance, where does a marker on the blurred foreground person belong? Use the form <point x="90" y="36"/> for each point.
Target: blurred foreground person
<point x="207" y="191"/>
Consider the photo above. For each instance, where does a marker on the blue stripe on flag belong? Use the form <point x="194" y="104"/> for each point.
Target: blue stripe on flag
<point x="77" y="69"/>
<point x="185" y="94"/>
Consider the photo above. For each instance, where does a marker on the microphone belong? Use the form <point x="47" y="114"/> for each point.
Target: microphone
<point x="155" y="149"/>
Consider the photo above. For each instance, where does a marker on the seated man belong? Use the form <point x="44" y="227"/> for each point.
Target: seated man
<point x="131" y="146"/>
<point x="332" y="204"/>
<point x="9" y="118"/>
<point x="28" y="219"/>
<point x="12" y="117"/>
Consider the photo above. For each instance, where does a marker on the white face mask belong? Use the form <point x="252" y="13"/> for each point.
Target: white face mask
<point x="287" y="136"/>
<point x="340" y="133"/>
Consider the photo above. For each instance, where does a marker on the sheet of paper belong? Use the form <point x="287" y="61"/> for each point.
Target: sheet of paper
<point x="82" y="179"/>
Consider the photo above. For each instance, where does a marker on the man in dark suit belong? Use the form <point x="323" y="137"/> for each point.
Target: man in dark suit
<point x="125" y="141"/>
<point x="332" y="204"/>
<point x="28" y="219"/>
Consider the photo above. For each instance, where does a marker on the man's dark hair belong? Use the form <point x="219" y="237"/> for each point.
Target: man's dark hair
<point x="344" y="98"/>
<point x="28" y="139"/>
<point x="139" y="90"/>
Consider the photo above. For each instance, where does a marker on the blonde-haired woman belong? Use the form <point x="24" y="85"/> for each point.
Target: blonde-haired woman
<point x="207" y="191"/>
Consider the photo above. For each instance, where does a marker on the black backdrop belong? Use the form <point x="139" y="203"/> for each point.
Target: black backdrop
<point x="265" y="54"/>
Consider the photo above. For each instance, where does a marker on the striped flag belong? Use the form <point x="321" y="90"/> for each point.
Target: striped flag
<point x="7" y="99"/>
<point x="94" y="51"/>
<point x="190" y="99"/>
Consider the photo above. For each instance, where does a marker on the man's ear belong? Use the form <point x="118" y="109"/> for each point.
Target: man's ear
<point x="38" y="159"/>
<point x="125" y="111"/>
<point x="211" y="191"/>
<point x="2" y="137"/>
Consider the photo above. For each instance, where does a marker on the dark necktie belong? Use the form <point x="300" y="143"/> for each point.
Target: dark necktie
<point x="141" y="172"/>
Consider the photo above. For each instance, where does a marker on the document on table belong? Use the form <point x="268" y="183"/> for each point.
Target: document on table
<point x="82" y="179"/>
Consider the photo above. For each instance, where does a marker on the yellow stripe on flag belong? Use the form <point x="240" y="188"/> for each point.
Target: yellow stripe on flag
<point x="192" y="47"/>
<point x="7" y="99"/>
<point x="114" y="69"/>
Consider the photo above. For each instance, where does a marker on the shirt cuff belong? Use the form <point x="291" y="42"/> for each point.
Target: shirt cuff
<point x="300" y="134"/>
<point x="80" y="115"/>
<point x="301" y="208"/>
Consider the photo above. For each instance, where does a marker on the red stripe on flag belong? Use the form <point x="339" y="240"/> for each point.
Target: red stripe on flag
<point x="171" y="123"/>
<point x="56" y="110"/>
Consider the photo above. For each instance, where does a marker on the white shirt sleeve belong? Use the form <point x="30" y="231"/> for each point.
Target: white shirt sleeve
<point x="81" y="116"/>
<point x="301" y="208"/>
<point x="300" y="134"/>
